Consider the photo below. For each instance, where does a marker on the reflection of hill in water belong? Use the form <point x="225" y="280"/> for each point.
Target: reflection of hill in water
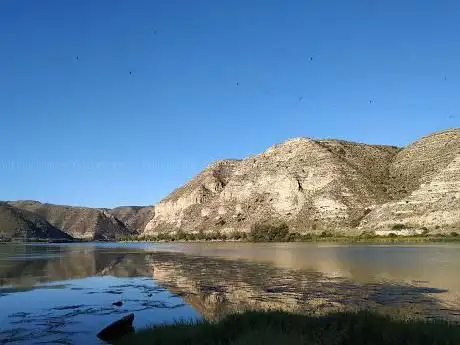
<point x="363" y="263"/>
<point x="32" y="265"/>
<point x="216" y="286"/>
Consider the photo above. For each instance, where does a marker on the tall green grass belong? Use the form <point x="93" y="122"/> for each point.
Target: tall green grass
<point x="270" y="328"/>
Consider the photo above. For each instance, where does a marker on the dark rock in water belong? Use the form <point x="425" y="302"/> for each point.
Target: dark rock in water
<point x="117" y="304"/>
<point x="113" y="292"/>
<point x="117" y="329"/>
<point x="69" y="307"/>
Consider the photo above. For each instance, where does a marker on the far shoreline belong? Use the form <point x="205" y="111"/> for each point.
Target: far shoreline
<point x="414" y="240"/>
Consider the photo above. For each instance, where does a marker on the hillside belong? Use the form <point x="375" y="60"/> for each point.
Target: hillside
<point x="23" y="225"/>
<point x="311" y="185"/>
<point x="317" y="185"/>
<point x="79" y="222"/>
<point x="425" y="179"/>
<point x="135" y="218"/>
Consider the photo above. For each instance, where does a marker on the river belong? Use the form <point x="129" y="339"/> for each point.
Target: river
<point x="63" y="293"/>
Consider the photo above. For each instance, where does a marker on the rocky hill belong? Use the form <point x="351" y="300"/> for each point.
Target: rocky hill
<point x="317" y="185"/>
<point x="311" y="185"/>
<point x="19" y="224"/>
<point x="78" y="222"/>
<point x="425" y="181"/>
<point x="135" y="218"/>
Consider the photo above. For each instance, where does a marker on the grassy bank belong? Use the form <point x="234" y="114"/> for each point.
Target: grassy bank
<point x="282" y="233"/>
<point x="270" y="328"/>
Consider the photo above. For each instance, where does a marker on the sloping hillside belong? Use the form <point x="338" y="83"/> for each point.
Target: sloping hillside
<point x="425" y="179"/>
<point x="79" y="222"/>
<point x="135" y="218"/>
<point x="23" y="225"/>
<point x="311" y="185"/>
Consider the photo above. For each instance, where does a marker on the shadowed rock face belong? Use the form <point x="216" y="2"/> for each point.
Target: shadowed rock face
<point x="134" y="218"/>
<point x="78" y="222"/>
<point x="16" y="223"/>
<point x="323" y="184"/>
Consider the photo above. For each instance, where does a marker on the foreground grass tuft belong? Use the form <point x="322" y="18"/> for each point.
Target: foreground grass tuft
<point x="267" y="328"/>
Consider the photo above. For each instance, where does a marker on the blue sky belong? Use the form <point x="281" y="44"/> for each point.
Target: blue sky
<point x="106" y="103"/>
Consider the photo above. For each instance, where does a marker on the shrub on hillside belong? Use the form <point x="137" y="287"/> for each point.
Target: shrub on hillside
<point x="367" y="234"/>
<point x="326" y="234"/>
<point x="262" y="232"/>
<point x="398" y="227"/>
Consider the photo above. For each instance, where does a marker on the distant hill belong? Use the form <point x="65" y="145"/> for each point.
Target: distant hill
<point x="24" y="225"/>
<point x="134" y="218"/>
<point x="78" y="222"/>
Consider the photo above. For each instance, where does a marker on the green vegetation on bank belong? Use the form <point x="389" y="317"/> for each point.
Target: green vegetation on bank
<point x="263" y="232"/>
<point x="269" y="328"/>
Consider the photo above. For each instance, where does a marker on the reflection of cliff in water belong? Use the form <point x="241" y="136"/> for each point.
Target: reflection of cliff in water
<point x="217" y="286"/>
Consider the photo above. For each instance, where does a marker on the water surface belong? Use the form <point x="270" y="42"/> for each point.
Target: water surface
<point x="63" y="293"/>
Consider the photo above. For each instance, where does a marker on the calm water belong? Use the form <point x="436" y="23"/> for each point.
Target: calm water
<point x="63" y="294"/>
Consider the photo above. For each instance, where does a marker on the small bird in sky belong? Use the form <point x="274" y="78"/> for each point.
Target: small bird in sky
<point x="237" y="84"/>
<point x="130" y="72"/>
<point x="300" y="98"/>
<point x="311" y="58"/>
<point x="77" y="58"/>
<point x="371" y="101"/>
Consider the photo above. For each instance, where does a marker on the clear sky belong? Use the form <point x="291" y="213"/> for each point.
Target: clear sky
<point x="106" y="103"/>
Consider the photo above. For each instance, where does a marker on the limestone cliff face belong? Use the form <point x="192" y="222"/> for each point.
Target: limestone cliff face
<point x="314" y="185"/>
<point x="425" y="180"/>
<point x="311" y="185"/>
<point x="78" y="222"/>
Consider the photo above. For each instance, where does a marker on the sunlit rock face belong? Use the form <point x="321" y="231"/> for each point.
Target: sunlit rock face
<point x="311" y="185"/>
<point x="316" y="185"/>
<point x="425" y="181"/>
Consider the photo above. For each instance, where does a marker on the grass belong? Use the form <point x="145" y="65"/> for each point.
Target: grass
<point x="296" y="237"/>
<point x="268" y="232"/>
<point x="250" y="328"/>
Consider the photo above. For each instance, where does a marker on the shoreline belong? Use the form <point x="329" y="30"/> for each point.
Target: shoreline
<point x="318" y="239"/>
<point x="414" y="239"/>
